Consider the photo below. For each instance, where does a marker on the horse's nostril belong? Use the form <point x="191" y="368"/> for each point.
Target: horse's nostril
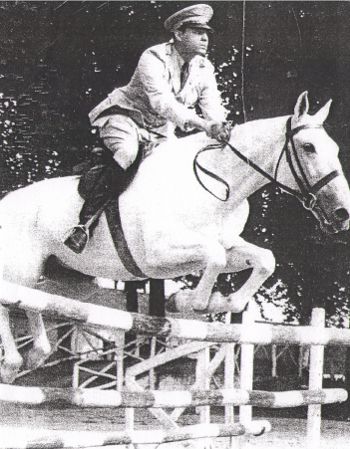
<point x="341" y="214"/>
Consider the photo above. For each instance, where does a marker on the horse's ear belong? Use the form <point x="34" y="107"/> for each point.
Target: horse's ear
<point x="322" y="114"/>
<point x="302" y="105"/>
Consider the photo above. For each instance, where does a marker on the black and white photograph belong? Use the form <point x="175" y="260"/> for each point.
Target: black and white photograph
<point x="174" y="224"/>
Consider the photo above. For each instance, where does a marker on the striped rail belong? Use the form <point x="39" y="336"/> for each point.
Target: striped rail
<point x="101" y="316"/>
<point x="167" y="398"/>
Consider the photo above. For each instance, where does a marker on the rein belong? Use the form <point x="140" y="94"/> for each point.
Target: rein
<point x="307" y="193"/>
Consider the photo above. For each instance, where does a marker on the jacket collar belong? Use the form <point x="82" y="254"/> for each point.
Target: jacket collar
<point x="171" y="51"/>
<point x="174" y="63"/>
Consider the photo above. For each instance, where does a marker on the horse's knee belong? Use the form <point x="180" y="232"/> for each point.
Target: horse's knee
<point x="9" y="368"/>
<point x="267" y="262"/>
<point x="264" y="262"/>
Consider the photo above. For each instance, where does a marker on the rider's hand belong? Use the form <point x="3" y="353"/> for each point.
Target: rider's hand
<point x="218" y="130"/>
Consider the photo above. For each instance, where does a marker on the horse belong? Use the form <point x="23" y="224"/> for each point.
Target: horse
<point x="174" y="225"/>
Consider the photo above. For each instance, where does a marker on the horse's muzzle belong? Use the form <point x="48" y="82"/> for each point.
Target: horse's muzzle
<point x="340" y="222"/>
<point x="342" y="214"/>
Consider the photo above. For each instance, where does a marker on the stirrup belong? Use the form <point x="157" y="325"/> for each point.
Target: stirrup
<point x="77" y="238"/>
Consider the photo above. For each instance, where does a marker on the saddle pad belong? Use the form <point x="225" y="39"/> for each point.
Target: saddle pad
<point x="121" y="245"/>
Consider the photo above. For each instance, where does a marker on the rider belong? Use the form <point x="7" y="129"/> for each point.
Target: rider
<point x="171" y="79"/>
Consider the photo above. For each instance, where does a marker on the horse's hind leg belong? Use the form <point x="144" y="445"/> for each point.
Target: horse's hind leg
<point x="26" y="269"/>
<point x="41" y="345"/>
<point x="12" y="360"/>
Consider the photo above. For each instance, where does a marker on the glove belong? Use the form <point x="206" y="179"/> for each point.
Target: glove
<point x="219" y="130"/>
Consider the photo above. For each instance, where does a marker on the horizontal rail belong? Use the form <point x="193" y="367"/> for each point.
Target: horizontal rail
<point x="90" y="398"/>
<point x="101" y="316"/>
<point x="98" y="439"/>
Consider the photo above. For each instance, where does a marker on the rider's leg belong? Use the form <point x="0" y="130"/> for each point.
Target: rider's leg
<point x="110" y="178"/>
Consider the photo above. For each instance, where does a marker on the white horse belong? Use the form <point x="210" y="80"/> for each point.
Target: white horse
<point x="172" y="225"/>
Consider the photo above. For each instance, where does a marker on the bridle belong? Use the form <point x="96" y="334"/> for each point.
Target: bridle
<point x="307" y="193"/>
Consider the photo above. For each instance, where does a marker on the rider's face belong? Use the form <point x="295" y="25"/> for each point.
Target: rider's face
<point x="194" y="41"/>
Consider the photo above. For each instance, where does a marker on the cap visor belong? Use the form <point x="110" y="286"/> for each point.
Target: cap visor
<point x="201" y="26"/>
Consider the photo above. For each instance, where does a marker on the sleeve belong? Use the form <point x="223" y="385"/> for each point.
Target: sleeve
<point x="162" y="100"/>
<point x="210" y="101"/>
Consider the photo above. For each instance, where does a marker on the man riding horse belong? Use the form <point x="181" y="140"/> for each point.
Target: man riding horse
<point x="170" y="80"/>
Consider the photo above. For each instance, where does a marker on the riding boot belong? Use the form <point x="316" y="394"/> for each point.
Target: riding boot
<point x="108" y="182"/>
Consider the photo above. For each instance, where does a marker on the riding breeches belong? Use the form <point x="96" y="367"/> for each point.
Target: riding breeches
<point x="121" y="136"/>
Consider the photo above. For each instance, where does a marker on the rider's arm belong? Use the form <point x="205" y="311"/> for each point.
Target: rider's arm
<point x="153" y="76"/>
<point x="210" y="101"/>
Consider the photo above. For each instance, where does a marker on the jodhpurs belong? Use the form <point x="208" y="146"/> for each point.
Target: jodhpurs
<point x="121" y="135"/>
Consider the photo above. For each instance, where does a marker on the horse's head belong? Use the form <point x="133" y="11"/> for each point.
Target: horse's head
<point x="313" y="161"/>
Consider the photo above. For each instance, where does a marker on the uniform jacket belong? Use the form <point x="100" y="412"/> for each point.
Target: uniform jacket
<point x="153" y="97"/>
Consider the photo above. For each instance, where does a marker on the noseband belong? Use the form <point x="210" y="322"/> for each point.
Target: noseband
<point x="307" y="192"/>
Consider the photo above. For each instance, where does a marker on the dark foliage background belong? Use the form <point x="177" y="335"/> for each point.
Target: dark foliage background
<point x="58" y="59"/>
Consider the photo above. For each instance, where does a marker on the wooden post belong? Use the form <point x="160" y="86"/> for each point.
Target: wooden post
<point x="153" y="351"/>
<point x="315" y="381"/>
<point x="229" y="379"/>
<point x="156" y="308"/>
<point x="203" y="378"/>
<point x="347" y="371"/>
<point x="274" y="361"/>
<point x="300" y="362"/>
<point x="156" y="297"/>
<point x="247" y="367"/>
<point x="132" y="304"/>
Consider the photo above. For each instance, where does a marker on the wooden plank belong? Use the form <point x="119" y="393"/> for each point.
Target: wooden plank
<point x="98" y="439"/>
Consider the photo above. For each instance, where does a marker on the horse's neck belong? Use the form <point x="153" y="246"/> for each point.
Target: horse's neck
<point x="262" y="142"/>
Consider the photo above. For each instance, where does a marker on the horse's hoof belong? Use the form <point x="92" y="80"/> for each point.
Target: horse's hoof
<point x="180" y="302"/>
<point x="170" y="304"/>
<point x="200" y="310"/>
<point x="36" y="357"/>
<point x="9" y="371"/>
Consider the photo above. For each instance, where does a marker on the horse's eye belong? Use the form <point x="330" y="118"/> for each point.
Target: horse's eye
<point x="309" y="148"/>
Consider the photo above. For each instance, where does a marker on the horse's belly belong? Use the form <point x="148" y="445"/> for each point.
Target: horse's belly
<point x="100" y="257"/>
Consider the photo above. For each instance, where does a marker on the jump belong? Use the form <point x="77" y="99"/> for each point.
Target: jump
<point x="172" y="225"/>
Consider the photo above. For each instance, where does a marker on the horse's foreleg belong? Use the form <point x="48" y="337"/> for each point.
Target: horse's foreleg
<point x="198" y="299"/>
<point x="242" y="256"/>
<point x="12" y="360"/>
<point x="191" y="253"/>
